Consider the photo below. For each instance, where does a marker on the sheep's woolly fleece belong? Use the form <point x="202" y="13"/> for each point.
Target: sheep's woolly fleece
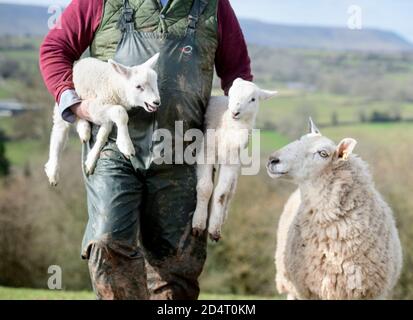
<point x="337" y="238"/>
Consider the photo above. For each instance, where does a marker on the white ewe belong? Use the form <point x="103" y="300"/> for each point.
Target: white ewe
<point x="110" y="90"/>
<point x="337" y="238"/>
<point x="232" y="119"/>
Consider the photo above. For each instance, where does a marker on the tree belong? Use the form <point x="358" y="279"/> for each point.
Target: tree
<point x="334" y="119"/>
<point x="4" y="162"/>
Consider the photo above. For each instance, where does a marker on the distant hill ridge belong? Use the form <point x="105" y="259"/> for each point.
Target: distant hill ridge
<point x="32" y="20"/>
<point x="310" y="37"/>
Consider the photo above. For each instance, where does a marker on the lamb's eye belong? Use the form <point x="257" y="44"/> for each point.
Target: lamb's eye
<point x="139" y="87"/>
<point x="252" y="100"/>
<point x="323" y="154"/>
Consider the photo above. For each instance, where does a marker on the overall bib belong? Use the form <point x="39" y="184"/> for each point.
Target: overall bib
<point x="138" y="238"/>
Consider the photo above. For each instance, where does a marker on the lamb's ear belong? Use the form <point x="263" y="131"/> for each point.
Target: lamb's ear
<point x="267" y="94"/>
<point x="345" y="148"/>
<point x="152" y="61"/>
<point x="312" y="128"/>
<point x="119" y="68"/>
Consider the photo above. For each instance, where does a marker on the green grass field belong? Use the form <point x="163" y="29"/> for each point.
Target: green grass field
<point x="379" y="133"/>
<point x="42" y="294"/>
<point x="21" y="152"/>
<point x="272" y="140"/>
<point x="17" y="151"/>
<point x="322" y="107"/>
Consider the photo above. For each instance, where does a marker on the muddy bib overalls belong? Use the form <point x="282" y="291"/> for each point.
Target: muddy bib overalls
<point x="138" y="238"/>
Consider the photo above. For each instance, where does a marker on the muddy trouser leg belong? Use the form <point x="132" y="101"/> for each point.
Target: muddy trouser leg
<point x="114" y="197"/>
<point x="174" y="258"/>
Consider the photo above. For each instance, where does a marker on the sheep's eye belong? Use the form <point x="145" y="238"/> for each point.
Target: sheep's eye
<point x="252" y="100"/>
<point x="323" y="154"/>
<point x="139" y="87"/>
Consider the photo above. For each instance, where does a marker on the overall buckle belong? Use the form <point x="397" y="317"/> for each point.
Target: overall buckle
<point x="128" y="14"/>
<point x="192" y="22"/>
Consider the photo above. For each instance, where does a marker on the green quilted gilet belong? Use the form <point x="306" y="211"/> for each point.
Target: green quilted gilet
<point x="151" y="17"/>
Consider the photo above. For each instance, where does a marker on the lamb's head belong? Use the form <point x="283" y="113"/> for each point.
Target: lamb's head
<point x="139" y="84"/>
<point x="244" y="97"/>
<point x="309" y="157"/>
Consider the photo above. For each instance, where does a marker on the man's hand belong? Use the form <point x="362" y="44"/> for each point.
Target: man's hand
<point x="81" y="110"/>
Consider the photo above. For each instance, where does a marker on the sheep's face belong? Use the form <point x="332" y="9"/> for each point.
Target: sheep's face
<point x="244" y="97"/>
<point x="309" y="157"/>
<point x="140" y="84"/>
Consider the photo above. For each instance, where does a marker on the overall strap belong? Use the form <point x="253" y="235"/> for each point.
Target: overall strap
<point x="126" y="22"/>
<point x="197" y="10"/>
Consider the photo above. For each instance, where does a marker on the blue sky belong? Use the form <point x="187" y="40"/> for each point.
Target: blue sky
<point x="394" y="15"/>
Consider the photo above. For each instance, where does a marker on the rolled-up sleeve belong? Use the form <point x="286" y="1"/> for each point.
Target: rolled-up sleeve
<point x="231" y="60"/>
<point x="68" y="98"/>
<point x="65" y="44"/>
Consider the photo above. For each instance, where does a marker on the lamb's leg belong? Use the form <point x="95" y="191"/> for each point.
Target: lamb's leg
<point x="223" y="193"/>
<point x="58" y="140"/>
<point x="83" y="130"/>
<point x="119" y="116"/>
<point x="101" y="139"/>
<point x="204" y="190"/>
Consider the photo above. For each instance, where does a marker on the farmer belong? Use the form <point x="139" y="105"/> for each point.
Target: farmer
<point x="138" y="240"/>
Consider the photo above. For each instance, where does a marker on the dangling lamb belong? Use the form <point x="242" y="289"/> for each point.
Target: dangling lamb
<point x="231" y="119"/>
<point x="337" y="238"/>
<point x="111" y="90"/>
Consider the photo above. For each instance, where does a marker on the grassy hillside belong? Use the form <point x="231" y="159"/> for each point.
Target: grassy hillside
<point x="305" y="37"/>
<point x="324" y="107"/>
<point x="20" y="20"/>
<point x="39" y="294"/>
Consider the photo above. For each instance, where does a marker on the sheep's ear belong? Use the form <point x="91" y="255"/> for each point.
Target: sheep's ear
<point x="267" y="94"/>
<point x="345" y="148"/>
<point x="312" y="128"/>
<point x="152" y="61"/>
<point x="119" y="68"/>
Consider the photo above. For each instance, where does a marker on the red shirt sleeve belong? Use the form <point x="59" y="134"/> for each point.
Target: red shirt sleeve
<point x="231" y="60"/>
<point x="65" y="44"/>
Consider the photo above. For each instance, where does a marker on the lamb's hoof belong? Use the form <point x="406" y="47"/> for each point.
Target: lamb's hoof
<point x="197" y="232"/>
<point x="89" y="167"/>
<point x="127" y="149"/>
<point x="84" y="140"/>
<point x="84" y="131"/>
<point x="215" y="236"/>
<point x="88" y="170"/>
<point x="52" y="175"/>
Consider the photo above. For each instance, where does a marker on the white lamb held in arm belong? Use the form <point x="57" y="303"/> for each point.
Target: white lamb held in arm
<point x="231" y="118"/>
<point x="110" y="89"/>
<point x="337" y="238"/>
